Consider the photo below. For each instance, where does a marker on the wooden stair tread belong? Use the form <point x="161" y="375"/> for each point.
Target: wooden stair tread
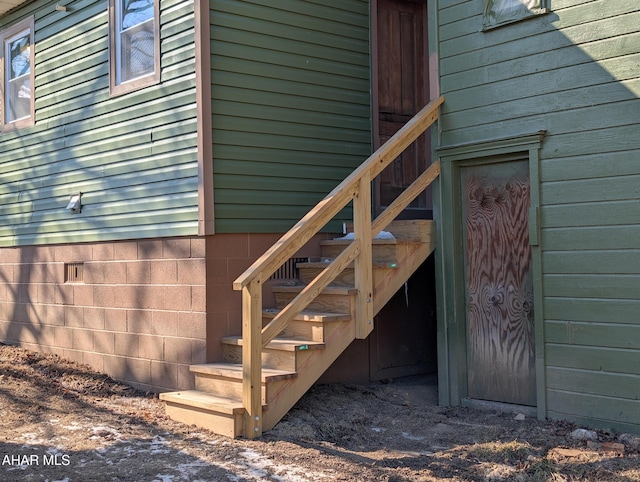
<point x="330" y="290"/>
<point x="316" y="316"/>
<point x="234" y="370"/>
<point x="340" y="242"/>
<point x="204" y="400"/>
<point x="410" y="229"/>
<point x="322" y="264"/>
<point x="284" y="344"/>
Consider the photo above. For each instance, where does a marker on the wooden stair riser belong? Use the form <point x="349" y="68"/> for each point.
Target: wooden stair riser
<point x="271" y="357"/>
<point x="305" y="330"/>
<point x="421" y="230"/>
<point x="308" y="330"/>
<point x="232" y="387"/>
<point x="310" y="327"/>
<point x="229" y="425"/>
<point x="382" y="252"/>
<point x="346" y="278"/>
<point x="325" y="301"/>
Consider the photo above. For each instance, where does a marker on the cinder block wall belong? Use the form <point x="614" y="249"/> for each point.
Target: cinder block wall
<point x="228" y="256"/>
<point x="138" y="313"/>
<point x="143" y="311"/>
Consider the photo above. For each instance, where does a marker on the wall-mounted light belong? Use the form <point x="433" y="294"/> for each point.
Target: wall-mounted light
<point x="61" y="8"/>
<point x="75" y="203"/>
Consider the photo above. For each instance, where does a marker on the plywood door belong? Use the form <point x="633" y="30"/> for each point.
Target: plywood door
<point x="499" y="282"/>
<point x="402" y="87"/>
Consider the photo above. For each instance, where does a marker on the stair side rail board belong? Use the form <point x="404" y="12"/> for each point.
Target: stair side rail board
<point x="357" y="188"/>
<point x="405" y="198"/>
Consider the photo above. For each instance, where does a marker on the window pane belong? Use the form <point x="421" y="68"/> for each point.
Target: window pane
<point x="502" y="11"/>
<point x="19" y="99"/>
<point x="134" y="44"/>
<point x="135" y="12"/>
<point x="18" y="95"/>
<point x="137" y="51"/>
<point x="19" y="55"/>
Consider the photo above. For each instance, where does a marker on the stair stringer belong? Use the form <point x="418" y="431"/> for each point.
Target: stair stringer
<point x="340" y="335"/>
<point x="410" y="257"/>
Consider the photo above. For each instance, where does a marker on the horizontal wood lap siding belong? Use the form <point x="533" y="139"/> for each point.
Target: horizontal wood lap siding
<point x="291" y="106"/>
<point x="576" y="74"/>
<point x="132" y="156"/>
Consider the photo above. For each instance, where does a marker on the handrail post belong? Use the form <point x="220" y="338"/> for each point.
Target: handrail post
<point x="363" y="263"/>
<point x="252" y="358"/>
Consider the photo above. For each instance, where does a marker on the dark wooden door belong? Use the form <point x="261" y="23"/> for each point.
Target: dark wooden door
<point x="404" y="338"/>
<point x="401" y="91"/>
<point x="499" y="282"/>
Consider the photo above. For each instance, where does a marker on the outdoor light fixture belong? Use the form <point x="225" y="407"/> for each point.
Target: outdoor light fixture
<point x="61" y="8"/>
<point x="75" y="203"/>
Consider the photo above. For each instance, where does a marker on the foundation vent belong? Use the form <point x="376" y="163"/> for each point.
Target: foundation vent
<point x="288" y="270"/>
<point x="73" y="272"/>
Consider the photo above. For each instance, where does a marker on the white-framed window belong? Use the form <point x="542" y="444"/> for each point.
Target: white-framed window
<point x="17" y="72"/>
<point x="500" y="12"/>
<point x="134" y="44"/>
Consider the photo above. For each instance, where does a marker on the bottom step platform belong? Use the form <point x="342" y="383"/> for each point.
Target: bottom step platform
<point x="221" y="415"/>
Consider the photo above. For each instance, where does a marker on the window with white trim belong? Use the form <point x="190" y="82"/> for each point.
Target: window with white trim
<point x="134" y="44"/>
<point x="17" y="76"/>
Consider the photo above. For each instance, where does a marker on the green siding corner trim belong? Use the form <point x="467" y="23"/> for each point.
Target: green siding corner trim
<point x="134" y="157"/>
<point x="291" y="107"/>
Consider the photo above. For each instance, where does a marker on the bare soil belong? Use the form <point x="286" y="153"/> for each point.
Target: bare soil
<point x="61" y="421"/>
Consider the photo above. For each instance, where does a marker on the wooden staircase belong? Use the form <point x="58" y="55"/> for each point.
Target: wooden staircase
<point x="283" y="351"/>
<point x="302" y="352"/>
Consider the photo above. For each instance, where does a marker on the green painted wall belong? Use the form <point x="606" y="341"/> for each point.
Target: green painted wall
<point x="133" y="156"/>
<point x="291" y="106"/>
<point x="575" y="73"/>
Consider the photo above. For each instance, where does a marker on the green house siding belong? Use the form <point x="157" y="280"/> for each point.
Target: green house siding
<point x="574" y="73"/>
<point x="291" y="106"/>
<point x="133" y="156"/>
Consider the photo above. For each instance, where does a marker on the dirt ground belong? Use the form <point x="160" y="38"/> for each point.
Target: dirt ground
<point x="63" y="422"/>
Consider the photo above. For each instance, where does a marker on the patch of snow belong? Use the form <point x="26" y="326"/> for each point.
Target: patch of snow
<point x="73" y="426"/>
<point x="583" y="434"/>
<point x="99" y="432"/>
<point x="54" y="451"/>
<point x="158" y="446"/>
<point x="380" y="235"/>
<point x="256" y="467"/>
<point x="31" y="438"/>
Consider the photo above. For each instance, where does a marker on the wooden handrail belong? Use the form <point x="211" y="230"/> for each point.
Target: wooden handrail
<point x="337" y="199"/>
<point x="403" y="200"/>
<point x="357" y="188"/>
<point x="313" y="289"/>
